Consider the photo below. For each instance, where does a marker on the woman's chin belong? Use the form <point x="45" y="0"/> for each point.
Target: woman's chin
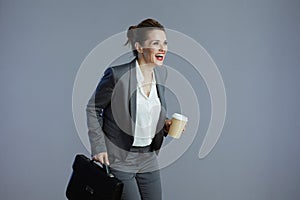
<point x="159" y="63"/>
<point x="155" y="63"/>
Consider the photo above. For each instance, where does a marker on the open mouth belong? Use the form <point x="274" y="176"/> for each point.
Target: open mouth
<point x="160" y="56"/>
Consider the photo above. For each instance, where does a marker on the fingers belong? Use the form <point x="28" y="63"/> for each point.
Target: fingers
<point x="102" y="158"/>
<point x="167" y="124"/>
<point x="105" y="159"/>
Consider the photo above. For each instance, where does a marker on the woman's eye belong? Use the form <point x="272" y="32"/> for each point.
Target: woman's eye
<point x="155" y="43"/>
<point x="165" y="42"/>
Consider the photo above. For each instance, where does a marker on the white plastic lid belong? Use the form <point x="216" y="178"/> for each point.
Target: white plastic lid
<point x="180" y="117"/>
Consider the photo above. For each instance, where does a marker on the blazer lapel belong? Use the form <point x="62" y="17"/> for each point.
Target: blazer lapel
<point x="160" y="85"/>
<point x="132" y="90"/>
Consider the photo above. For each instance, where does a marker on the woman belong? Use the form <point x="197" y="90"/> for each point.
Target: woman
<point x="127" y="114"/>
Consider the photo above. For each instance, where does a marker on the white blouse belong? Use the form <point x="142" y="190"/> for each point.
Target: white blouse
<point x="147" y="111"/>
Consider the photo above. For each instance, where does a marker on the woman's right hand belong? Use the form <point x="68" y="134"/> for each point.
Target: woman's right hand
<point x="102" y="158"/>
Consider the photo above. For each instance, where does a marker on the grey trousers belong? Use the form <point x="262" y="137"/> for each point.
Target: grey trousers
<point x="140" y="175"/>
<point x="140" y="186"/>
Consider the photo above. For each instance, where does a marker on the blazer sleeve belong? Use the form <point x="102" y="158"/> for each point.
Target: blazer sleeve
<point x="94" y="110"/>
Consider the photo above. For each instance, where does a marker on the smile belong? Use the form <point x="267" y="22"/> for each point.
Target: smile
<point x="160" y="56"/>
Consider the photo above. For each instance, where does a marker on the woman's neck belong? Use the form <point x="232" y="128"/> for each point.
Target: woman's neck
<point x="147" y="70"/>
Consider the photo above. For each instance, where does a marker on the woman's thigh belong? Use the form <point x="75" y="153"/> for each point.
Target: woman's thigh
<point x="149" y="185"/>
<point x="130" y="190"/>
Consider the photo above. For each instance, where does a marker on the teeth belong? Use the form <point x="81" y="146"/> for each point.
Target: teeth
<point x="160" y="54"/>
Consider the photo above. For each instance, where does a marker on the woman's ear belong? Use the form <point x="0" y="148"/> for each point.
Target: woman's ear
<point x="138" y="47"/>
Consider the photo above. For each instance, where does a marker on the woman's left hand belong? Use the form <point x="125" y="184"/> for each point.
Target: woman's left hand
<point x="168" y="123"/>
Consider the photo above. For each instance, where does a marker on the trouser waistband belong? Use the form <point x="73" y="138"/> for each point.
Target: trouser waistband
<point x="144" y="149"/>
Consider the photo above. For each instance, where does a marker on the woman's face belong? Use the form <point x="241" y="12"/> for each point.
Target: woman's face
<point x="154" y="49"/>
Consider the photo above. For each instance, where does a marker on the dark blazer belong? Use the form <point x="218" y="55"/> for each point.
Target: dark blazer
<point x="112" y="108"/>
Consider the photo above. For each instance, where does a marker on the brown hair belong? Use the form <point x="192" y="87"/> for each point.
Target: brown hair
<point x="138" y="33"/>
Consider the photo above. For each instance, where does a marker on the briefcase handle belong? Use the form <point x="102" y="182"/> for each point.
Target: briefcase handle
<point x="105" y="167"/>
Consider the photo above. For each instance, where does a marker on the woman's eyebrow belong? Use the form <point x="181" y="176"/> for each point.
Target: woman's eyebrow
<point x="157" y="40"/>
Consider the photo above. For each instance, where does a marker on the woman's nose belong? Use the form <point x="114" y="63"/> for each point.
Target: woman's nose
<point x="162" y="47"/>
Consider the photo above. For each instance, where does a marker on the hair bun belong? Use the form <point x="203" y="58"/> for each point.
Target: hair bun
<point x="131" y="35"/>
<point x="132" y="27"/>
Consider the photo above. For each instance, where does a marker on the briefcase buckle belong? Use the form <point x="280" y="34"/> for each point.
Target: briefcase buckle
<point x="89" y="189"/>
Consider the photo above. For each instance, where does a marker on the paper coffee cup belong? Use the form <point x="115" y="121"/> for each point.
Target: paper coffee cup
<point x="177" y="126"/>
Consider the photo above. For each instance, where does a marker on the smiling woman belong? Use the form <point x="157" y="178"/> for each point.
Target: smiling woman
<point x="153" y="49"/>
<point x="127" y="114"/>
<point x="147" y="34"/>
<point x="149" y="45"/>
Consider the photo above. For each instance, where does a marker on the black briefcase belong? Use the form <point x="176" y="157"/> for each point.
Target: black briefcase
<point x="89" y="181"/>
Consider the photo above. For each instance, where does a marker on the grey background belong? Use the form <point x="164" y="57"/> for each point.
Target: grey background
<point x="255" y="44"/>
